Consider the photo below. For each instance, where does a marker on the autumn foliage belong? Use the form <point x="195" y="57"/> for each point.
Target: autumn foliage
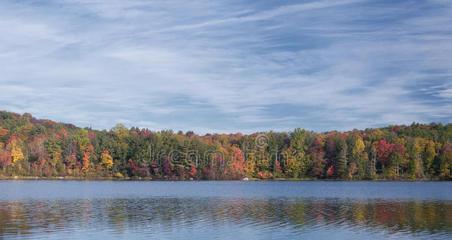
<point x="43" y="148"/>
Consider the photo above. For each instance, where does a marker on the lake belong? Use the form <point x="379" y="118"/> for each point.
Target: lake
<point x="225" y="210"/>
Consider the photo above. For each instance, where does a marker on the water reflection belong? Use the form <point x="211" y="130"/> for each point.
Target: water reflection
<point x="230" y="218"/>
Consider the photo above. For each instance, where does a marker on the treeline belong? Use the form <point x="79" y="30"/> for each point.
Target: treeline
<point x="43" y="148"/>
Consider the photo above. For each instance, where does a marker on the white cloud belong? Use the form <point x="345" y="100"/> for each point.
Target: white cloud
<point x="446" y="93"/>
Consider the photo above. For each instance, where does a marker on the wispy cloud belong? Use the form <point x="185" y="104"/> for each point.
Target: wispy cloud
<point x="227" y="66"/>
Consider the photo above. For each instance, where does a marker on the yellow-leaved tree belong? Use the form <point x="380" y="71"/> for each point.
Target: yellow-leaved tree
<point x="16" y="152"/>
<point x="106" y="159"/>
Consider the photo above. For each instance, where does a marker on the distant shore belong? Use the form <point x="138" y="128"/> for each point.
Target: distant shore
<point x="222" y="180"/>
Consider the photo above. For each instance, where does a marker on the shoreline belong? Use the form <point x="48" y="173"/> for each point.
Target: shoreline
<point x="31" y="178"/>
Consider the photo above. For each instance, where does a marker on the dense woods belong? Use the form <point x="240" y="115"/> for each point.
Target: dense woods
<point x="43" y="148"/>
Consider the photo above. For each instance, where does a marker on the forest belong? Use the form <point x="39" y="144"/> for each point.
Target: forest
<point x="31" y="147"/>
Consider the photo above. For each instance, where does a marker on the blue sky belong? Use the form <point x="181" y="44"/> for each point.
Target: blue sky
<point x="228" y="66"/>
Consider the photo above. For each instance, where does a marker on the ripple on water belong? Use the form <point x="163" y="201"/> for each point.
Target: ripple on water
<point x="220" y="217"/>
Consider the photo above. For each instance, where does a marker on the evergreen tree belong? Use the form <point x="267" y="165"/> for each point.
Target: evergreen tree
<point x="341" y="159"/>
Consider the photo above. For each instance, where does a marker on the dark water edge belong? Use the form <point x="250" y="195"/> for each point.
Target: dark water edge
<point x="225" y="210"/>
<point x="70" y="178"/>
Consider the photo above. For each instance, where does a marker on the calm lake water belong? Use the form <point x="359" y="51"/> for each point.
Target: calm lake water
<point x="225" y="210"/>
